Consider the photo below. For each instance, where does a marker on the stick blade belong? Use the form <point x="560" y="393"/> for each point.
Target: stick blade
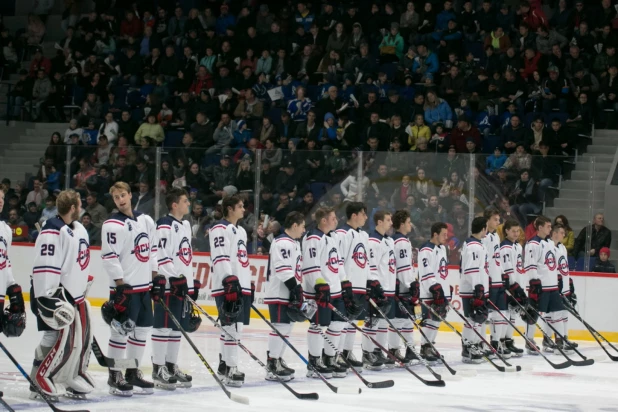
<point x="308" y="396"/>
<point x="586" y="362"/>
<point x="563" y="365"/>
<point x="439" y="384"/>
<point x="346" y="390"/>
<point x="239" y="398"/>
<point x="381" y="385"/>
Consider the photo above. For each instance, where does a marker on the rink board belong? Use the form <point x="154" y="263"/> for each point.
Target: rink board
<point x="596" y="291"/>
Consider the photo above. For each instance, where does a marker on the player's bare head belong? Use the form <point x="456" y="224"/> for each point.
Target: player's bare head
<point x="383" y="220"/>
<point x="121" y="193"/>
<point x="324" y="217"/>
<point x="558" y="232"/>
<point x="479" y="226"/>
<point x="295" y="224"/>
<point x="177" y="199"/>
<point x="400" y="218"/>
<point x="356" y="212"/>
<point x="542" y="225"/>
<point x="233" y="207"/>
<point x="511" y="229"/>
<point x="493" y="218"/>
<point x="439" y="233"/>
<point x="69" y="204"/>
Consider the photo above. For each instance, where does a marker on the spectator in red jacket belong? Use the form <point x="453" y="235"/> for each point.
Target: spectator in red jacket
<point x="203" y="81"/>
<point x="462" y="132"/>
<point x="39" y="62"/>
<point x="130" y="27"/>
<point x="532" y="15"/>
<point x="531" y="63"/>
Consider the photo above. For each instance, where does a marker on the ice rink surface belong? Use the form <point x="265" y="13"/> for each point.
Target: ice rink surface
<point x="590" y="388"/>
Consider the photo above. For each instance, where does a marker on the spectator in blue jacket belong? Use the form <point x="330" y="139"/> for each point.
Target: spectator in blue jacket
<point x="242" y="135"/>
<point x="437" y="111"/>
<point x="224" y="20"/>
<point x="328" y="133"/>
<point x="446" y="15"/>
<point x="299" y="107"/>
<point x="425" y="63"/>
<point x="495" y="161"/>
<point x="303" y="16"/>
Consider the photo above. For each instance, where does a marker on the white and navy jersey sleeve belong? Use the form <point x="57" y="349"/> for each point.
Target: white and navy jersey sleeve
<point x="151" y="229"/>
<point x="174" y="252"/>
<point x="405" y="271"/>
<point x="427" y="268"/>
<point x="382" y="262"/>
<point x="6" y="271"/>
<point x="353" y="249"/>
<point x="491" y="242"/>
<point x="548" y="267"/>
<point x="222" y="251"/>
<point x="48" y="258"/>
<point x="375" y="255"/>
<point x="113" y="240"/>
<point x="563" y="268"/>
<point x="533" y="257"/>
<point x="312" y="250"/>
<point x="335" y="238"/>
<point x="473" y="267"/>
<point x="284" y="263"/>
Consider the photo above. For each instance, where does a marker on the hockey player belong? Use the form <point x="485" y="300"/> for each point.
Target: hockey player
<point x="381" y="288"/>
<point x="565" y="285"/>
<point x="322" y="283"/>
<point x="172" y="284"/>
<point x="513" y="276"/>
<point x="540" y="266"/>
<point x="284" y="292"/>
<point x="129" y="256"/>
<point x="231" y="285"/>
<point x="353" y="253"/>
<point x="473" y="289"/>
<point x="433" y="273"/>
<point x="59" y="284"/>
<point x="497" y="294"/>
<point x="552" y="303"/>
<point x="407" y="288"/>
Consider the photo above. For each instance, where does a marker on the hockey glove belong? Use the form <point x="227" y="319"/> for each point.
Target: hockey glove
<point x="122" y="297"/>
<point x="352" y="305"/>
<point x="415" y="292"/>
<point x="506" y="280"/>
<point x="252" y="292"/>
<point x="534" y="294"/>
<point x="397" y="286"/>
<point x="55" y="311"/>
<point x="571" y="286"/>
<point x="437" y="294"/>
<point x="231" y="288"/>
<point x="346" y="291"/>
<point x="179" y="287"/>
<point x="518" y="295"/>
<point x="375" y="291"/>
<point x="16" y="299"/>
<point x="322" y="293"/>
<point x="158" y="288"/>
<point x="478" y="298"/>
<point x="573" y="300"/>
<point x="451" y="289"/>
<point x="560" y="284"/>
<point x="197" y="285"/>
<point x="296" y="292"/>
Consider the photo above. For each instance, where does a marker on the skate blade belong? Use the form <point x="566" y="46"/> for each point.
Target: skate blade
<point x="315" y="375"/>
<point x="166" y="386"/>
<point x="281" y="378"/>
<point x="36" y="397"/>
<point x="124" y="394"/>
<point x="389" y="366"/>
<point x="142" y="391"/>
<point x="233" y="384"/>
<point x="77" y="396"/>
<point x="184" y="384"/>
<point x="340" y="375"/>
<point x="373" y="368"/>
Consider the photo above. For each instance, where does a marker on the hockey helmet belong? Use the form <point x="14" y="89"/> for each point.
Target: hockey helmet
<point x="13" y="324"/>
<point x="529" y="315"/>
<point x="229" y="311"/>
<point x="300" y="314"/>
<point x="194" y="322"/>
<point x="480" y="314"/>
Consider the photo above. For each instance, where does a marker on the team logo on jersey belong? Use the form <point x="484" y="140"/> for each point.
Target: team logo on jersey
<point x="520" y="264"/>
<point x="497" y="254"/>
<point x="359" y="256"/>
<point x="550" y="260"/>
<point x="185" y="253"/>
<point x="333" y="260"/>
<point x="299" y="268"/>
<point x="69" y="231"/>
<point x="486" y="265"/>
<point x="563" y="266"/>
<point x="141" y="247"/>
<point x="4" y="255"/>
<point x="391" y="261"/>
<point x="442" y="269"/>
<point x="242" y="255"/>
<point x="83" y="256"/>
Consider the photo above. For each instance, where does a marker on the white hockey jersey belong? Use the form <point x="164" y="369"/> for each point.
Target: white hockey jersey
<point x="228" y="251"/>
<point x="129" y="250"/>
<point x="320" y="256"/>
<point x="540" y="262"/>
<point x="353" y="254"/>
<point x="432" y="269"/>
<point x="284" y="263"/>
<point x="382" y="266"/>
<point x="491" y="243"/>
<point x="563" y="268"/>
<point x="174" y="251"/>
<point x="61" y="257"/>
<point x="473" y="267"/>
<point x="512" y="263"/>
<point x="404" y="268"/>
<point x="6" y="271"/>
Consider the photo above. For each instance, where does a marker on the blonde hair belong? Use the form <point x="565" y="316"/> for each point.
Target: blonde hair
<point x="65" y="200"/>
<point x="322" y="213"/>
<point x="120" y="186"/>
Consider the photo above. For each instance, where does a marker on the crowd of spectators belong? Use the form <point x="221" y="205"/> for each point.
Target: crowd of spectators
<point x="406" y="104"/>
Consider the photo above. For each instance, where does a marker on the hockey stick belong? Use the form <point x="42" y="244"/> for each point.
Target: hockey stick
<point x="595" y="334"/>
<point x="6" y="405"/>
<point x="340" y="390"/>
<point x="531" y="344"/>
<point x="232" y="396"/>
<point x="386" y="352"/>
<point x="311" y="396"/>
<point x="451" y="327"/>
<point x="584" y="362"/>
<point x="33" y="385"/>
<point x="405" y="341"/>
<point x="509" y="367"/>
<point x="375" y="385"/>
<point x="446" y="365"/>
<point x="109" y="362"/>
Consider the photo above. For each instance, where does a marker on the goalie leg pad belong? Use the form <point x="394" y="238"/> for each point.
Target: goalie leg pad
<point x="79" y="378"/>
<point x="49" y="361"/>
